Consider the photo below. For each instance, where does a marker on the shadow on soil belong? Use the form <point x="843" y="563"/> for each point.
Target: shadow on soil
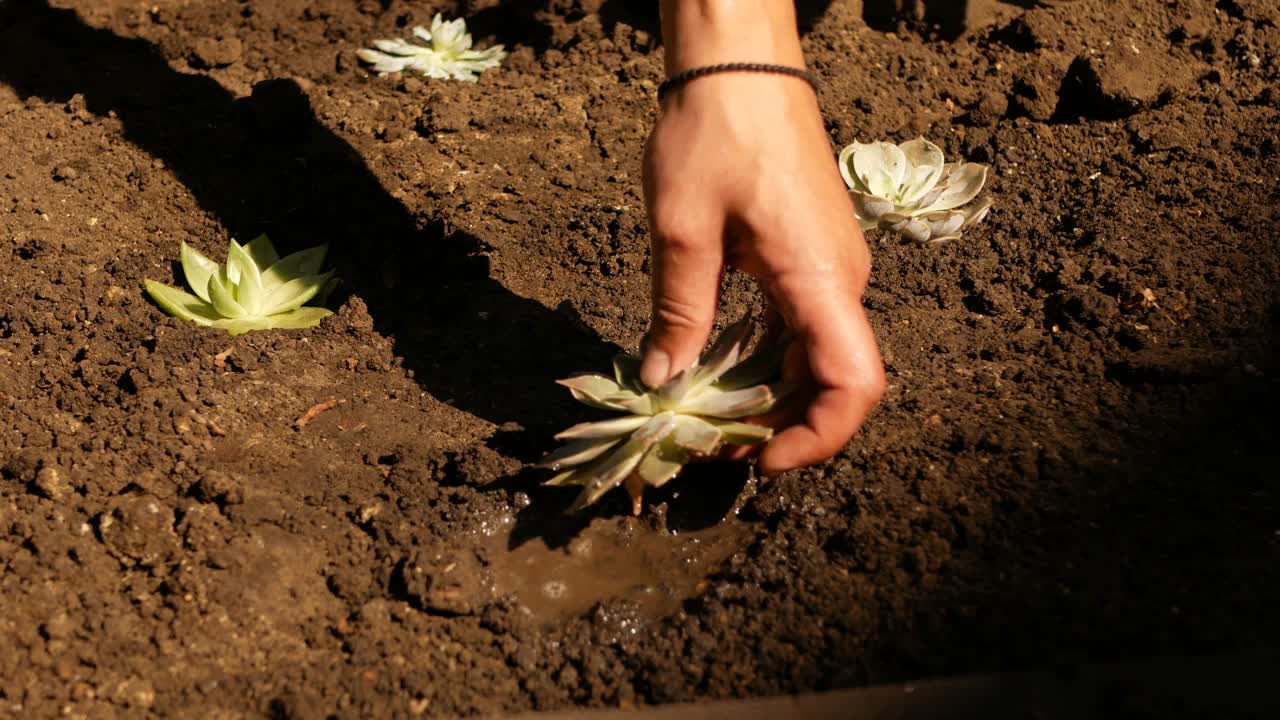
<point x="1173" y="503"/>
<point x="701" y="497"/>
<point x="946" y="18"/>
<point x="266" y="164"/>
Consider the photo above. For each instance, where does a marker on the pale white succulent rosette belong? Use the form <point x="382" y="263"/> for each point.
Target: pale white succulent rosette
<point x="443" y="52"/>
<point x="692" y="416"/>
<point x="255" y="290"/>
<point x="911" y="190"/>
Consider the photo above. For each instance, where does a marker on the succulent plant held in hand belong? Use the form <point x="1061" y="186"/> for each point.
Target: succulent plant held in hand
<point x="692" y="416"/>
<point x="255" y="290"/>
<point x="443" y="52"/>
<point x="910" y="190"/>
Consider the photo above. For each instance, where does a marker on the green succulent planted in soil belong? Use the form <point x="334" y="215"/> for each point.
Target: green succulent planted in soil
<point x="442" y="52"/>
<point x="910" y="190"/>
<point x="692" y="416"/>
<point x="255" y="290"/>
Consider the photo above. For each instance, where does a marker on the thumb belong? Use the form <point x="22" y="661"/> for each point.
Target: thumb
<point x="686" y="290"/>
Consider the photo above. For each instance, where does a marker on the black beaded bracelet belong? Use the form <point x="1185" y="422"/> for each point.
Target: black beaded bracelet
<point x="681" y="78"/>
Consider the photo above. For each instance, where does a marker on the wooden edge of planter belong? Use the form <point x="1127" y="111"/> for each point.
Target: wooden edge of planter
<point x="1240" y="685"/>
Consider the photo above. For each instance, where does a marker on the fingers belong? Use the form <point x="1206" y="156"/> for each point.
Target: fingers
<point x="845" y="380"/>
<point x="687" y="263"/>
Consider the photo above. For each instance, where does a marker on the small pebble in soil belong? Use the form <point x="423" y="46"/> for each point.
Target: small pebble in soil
<point x="51" y="483"/>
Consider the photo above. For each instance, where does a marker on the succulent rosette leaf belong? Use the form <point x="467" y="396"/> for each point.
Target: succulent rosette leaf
<point x="442" y="52"/>
<point x="661" y="429"/>
<point x="910" y="189"/>
<point x="255" y="290"/>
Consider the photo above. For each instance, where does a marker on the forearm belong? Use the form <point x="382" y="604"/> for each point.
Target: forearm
<point x="697" y="33"/>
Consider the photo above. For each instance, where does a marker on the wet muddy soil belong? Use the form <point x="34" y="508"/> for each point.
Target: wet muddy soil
<point x="1075" y="459"/>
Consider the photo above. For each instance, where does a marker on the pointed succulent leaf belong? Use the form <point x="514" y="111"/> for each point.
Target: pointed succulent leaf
<point x="298" y="319"/>
<point x="241" y="325"/>
<point x="197" y="268"/>
<point x="724" y="353"/>
<point x="181" y="305"/>
<point x="622" y="461"/>
<point x="604" y="429"/>
<point x="737" y="433"/>
<point x="976" y="213"/>
<point x="322" y="296"/>
<point x="262" y="252"/>
<point x="636" y="404"/>
<point x="592" y="384"/>
<point x="662" y="463"/>
<point x="429" y="66"/>
<point x="594" y="390"/>
<point x="222" y="295"/>
<point x="963" y="183"/>
<point x="577" y="453"/>
<point x="392" y="47"/>
<point x="299" y="264"/>
<point x="674" y="391"/>
<point x="246" y="279"/>
<point x="381" y="62"/>
<point x="870" y="207"/>
<point x="232" y="269"/>
<point x="763" y="366"/>
<point x="696" y="435"/>
<point x="449" y="35"/>
<point x="293" y="294"/>
<point x="733" y="404"/>
<point x="249" y="294"/>
<point x="567" y="477"/>
<point x="626" y="370"/>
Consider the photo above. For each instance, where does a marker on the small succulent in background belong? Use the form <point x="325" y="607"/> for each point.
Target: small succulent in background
<point x="692" y="416"/>
<point x="443" y="52"/>
<point x="255" y="290"/>
<point x="910" y="190"/>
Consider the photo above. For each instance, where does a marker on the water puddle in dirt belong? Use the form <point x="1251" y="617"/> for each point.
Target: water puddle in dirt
<point x="613" y="558"/>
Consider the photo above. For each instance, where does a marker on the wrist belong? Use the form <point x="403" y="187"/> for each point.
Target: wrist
<point x="698" y="33"/>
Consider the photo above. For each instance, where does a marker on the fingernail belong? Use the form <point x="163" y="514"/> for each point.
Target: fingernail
<point x="655" y="369"/>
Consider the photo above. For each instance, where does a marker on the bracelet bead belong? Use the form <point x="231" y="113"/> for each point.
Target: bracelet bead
<point x="682" y="78"/>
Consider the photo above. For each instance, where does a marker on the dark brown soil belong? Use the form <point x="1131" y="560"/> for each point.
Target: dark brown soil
<point x="1076" y="458"/>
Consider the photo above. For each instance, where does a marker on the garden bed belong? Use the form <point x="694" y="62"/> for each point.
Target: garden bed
<point x="1075" y="459"/>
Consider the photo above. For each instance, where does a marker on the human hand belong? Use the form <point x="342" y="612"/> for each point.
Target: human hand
<point x="739" y="171"/>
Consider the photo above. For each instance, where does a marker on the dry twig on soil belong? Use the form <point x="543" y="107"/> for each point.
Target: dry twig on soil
<point x="313" y="411"/>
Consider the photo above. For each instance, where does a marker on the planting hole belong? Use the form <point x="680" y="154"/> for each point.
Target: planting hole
<point x="613" y="560"/>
